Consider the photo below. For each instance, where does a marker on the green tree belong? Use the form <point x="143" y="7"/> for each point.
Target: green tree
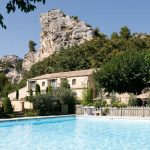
<point x="148" y="101"/>
<point x="91" y="54"/>
<point x="22" y="5"/>
<point x="7" y="107"/>
<point x="3" y="83"/>
<point x="68" y="97"/>
<point x="135" y="102"/>
<point x="32" y="45"/>
<point x="125" y="32"/>
<point x="97" y="32"/>
<point x="127" y="72"/>
<point x="37" y="89"/>
<point x="100" y="103"/>
<point x="17" y="94"/>
<point x="87" y="96"/>
<point x="49" y="89"/>
<point x="18" y="65"/>
<point x="31" y="92"/>
<point x="64" y="84"/>
<point x="114" y="35"/>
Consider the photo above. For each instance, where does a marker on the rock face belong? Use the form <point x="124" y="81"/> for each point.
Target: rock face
<point x="13" y="75"/>
<point x="58" y="31"/>
<point x="29" y="59"/>
<point x="13" y="59"/>
<point x="8" y="65"/>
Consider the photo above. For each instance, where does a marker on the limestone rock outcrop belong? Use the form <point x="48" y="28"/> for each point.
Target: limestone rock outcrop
<point x="29" y="59"/>
<point x="14" y="76"/>
<point x="13" y="59"/>
<point x="58" y="31"/>
<point x="9" y="65"/>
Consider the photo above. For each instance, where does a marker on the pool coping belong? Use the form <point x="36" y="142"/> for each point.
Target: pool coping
<point x="115" y="117"/>
<point x="74" y="115"/>
<point x="36" y="117"/>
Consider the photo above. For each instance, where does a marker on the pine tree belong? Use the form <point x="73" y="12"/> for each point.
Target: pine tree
<point x="32" y="45"/>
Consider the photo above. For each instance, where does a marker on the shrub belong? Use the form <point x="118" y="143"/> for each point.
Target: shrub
<point x="49" y="89"/>
<point x="66" y="96"/>
<point x="64" y="84"/>
<point x="105" y="111"/>
<point x="1" y="112"/>
<point x="30" y="113"/>
<point x="87" y="96"/>
<point x="75" y="17"/>
<point x="30" y="98"/>
<point x="147" y="102"/>
<point x="31" y="92"/>
<point x="135" y="102"/>
<point x="118" y="104"/>
<point x="46" y="104"/>
<point x="100" y="103"/>
<point x="7" y="107"/>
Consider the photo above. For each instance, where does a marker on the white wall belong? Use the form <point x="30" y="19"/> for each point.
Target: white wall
<point x="22" y="94"/>
<point x="81" y="83"/>
<point x="39" y="82"/>
<point x="20" y="105"/>
<point x="79" y="93"/>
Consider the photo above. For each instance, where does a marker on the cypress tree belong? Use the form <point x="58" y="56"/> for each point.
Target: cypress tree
<point x="37" y="89"/>
<point x="17" y="94"/>
<point x="8" y="109"/>
<point x="31" y="92"/>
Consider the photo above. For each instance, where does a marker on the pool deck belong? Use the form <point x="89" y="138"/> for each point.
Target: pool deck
<point x="116" y="117"/>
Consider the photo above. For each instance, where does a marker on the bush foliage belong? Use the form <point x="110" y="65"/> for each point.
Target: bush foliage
<point x="127" y="72"/>
<point x="87" y="96"/>
<point x="7" y="107"/>
<point x="45" y="104"/>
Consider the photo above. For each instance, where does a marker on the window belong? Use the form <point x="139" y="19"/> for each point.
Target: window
<point x="53" y="83"/>
<point x="73" y="81"/>
<point x="32" y="85"/>
<point x="43" y="83"/>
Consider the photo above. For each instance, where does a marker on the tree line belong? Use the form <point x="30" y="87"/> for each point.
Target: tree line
<point x="123" y="58"/>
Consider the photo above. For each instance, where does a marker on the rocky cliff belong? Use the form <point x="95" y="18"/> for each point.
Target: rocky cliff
<point x="10" y="65"/>
<point x="58" y="31"/>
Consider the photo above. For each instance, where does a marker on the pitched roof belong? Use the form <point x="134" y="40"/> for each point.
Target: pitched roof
<point x="77" y="73"/>
<point x="144" y="95"/>
<point x="123" y="95"/>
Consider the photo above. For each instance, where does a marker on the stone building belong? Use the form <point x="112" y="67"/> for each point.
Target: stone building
<point x="78" y="81"/>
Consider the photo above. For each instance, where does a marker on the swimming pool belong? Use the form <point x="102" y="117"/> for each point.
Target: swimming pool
<point x="75" y="133"/>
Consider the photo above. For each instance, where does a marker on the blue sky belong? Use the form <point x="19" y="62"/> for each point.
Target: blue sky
<point x="108" y="15"/>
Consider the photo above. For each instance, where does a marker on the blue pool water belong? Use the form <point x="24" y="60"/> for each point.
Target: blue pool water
<point x="71" y="133"/>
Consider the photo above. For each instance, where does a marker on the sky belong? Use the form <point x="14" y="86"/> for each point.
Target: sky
<point x="108" y="15"/>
